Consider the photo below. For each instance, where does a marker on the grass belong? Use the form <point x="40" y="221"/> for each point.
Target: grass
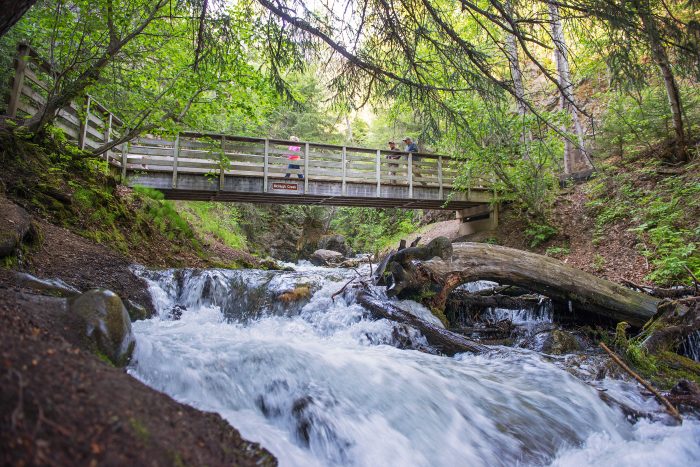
<point x="218" y="219"/>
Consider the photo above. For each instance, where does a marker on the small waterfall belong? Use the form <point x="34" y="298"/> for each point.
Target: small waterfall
<point x="319" y="383"/>
<point x="690" y="347"/>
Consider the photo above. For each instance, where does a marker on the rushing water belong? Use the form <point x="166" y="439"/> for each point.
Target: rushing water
<point x="319" y="383"/>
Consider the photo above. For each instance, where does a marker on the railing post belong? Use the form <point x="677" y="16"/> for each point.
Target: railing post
<point x="125" y="152"/>
<point x="222" y="165"/>
<point x="108" y="135"/>
<point x="343" y="160"/>
<point x="440" y="176"/>
<point x="266" y="164"/>
<point x="469" y="185"/>
<point x="306" y="167"/>
<point x="379" y="173"/>
<point x="176" y="153"/>
<point x="410" y="175"/>
<point x="84" y="125"/>
<point x="18" y="81"/>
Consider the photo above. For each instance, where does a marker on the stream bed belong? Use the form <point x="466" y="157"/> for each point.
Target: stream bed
<point x="317" y="382"/>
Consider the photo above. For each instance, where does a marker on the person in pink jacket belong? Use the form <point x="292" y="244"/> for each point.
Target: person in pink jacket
<point x="294" y="156"/>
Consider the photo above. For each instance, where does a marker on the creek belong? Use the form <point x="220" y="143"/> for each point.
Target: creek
<point x="317" y="382"/>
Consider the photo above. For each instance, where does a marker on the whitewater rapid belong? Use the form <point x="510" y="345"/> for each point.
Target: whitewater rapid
<point x="319" y="383"/>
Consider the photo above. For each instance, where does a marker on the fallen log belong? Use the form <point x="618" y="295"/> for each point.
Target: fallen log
<point x="445" y="341"/>
<point x="465" y="299"/>
<point x="417" y="272"/>
<point x="675" y="321"/>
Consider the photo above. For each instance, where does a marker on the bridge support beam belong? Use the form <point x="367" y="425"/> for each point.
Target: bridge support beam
<point x="477" y="219"/>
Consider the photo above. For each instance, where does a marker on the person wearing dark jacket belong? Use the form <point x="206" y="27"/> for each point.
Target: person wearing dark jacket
<point x="413" y="147"/>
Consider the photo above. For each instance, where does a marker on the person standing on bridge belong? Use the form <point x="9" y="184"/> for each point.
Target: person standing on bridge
<point x="294" y="157"/>
<point x="393" y="166"/>
<point x="413" y="148"/>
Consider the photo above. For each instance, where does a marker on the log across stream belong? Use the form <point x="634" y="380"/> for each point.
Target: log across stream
<point x="439" y="267"/>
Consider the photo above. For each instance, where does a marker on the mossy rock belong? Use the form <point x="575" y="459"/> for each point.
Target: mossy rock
<point x="107" y="323"/>
<point x="15" y="226"/>
<point x="137" y="311"/>
<point x="560" y="342"/>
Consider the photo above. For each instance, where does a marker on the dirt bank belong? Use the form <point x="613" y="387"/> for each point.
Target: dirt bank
<point x="62" y="406"/>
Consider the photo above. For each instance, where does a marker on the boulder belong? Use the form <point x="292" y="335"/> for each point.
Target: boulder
<point x="326" y="258"/>
<point x="269" y="264"/>
<point x="53" y="287"/>
<point x="107" y="323"/>
<point x="136" y="310"/>
<point x="15" y="226"/>
<point x="559" y="342"/>
<point x="349" y="263"/>
<point x="301" y="292"/>
<point x="335" y="243"/>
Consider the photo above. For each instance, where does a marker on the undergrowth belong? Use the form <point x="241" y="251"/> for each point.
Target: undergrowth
<point x="661" y="210"/>
<point x="221" y="220"/>
<point x="68" y="187"/>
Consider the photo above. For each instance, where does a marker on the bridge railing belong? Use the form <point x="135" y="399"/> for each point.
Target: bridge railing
<point x="85" y="121"/>
<point x="219" y="155"/>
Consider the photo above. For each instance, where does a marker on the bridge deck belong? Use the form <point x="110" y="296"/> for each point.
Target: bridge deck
<point x="195" y="166"/>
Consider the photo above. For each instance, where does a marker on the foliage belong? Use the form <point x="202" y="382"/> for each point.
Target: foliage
<point x="634" y="122"/>
<point x="557" y="251"/>
<point x="539" y="233"/>
<point x="372" y="230"/>
<point x="222" y="220"/>
<point x="512" y="155"/>
<point x="661" y="211"/>
<point x="137" y="57"/>
<point x="162" y="213"/>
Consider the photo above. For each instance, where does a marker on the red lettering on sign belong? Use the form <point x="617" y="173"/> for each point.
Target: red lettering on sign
<point x="285" y="186"/>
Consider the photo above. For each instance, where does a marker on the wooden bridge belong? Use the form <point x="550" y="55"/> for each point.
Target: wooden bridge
<point x="217" y="167"/>
<point x="198" y="166"/>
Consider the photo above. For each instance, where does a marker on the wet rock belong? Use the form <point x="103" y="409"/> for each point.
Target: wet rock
<point x="686" y="395"/>
<point x="298" y="293"/>
<point x="349" y="263"/>
<point x="326" y="258"/>
<point x="559" y="342"/>
<point x="15" y="227"/>
<point x="270" y="264"/>
<point x="136" y="310"/>
<point x="107" y="323"/>
<point x="175" y="312"/>
<point x="335" y="243"/>
<point x="53" y="287"/>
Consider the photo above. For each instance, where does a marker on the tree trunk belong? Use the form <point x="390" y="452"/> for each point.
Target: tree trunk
<point x="12" y="11"/>
<point x="516" y="74"/>
<point x="575" y="158"/>
<point x="446" y="341"/>
<point x="414" y="274"/>
<point x="660" y="56"/>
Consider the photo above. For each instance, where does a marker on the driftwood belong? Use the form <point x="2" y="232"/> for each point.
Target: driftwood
<point x="659" y="292"/>
<point x="445" y="341"/>
<point x="671" y="409"/>
<point x="439" y="267"/>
